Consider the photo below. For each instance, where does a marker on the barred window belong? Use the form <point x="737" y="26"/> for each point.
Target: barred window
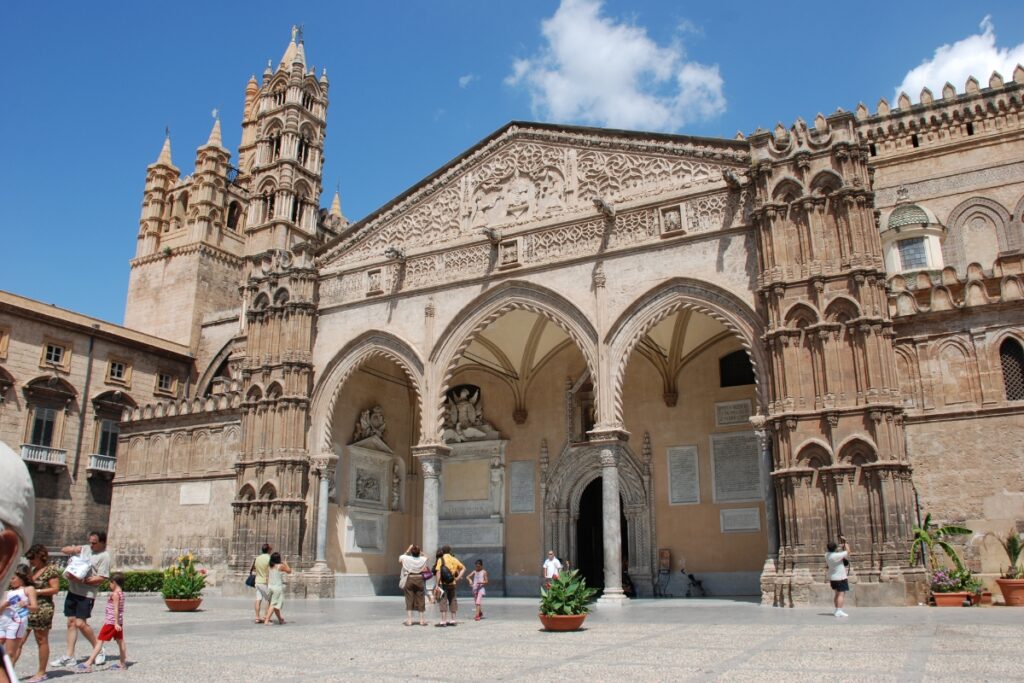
<point x="912" y="253"/>
<point x="1011" y="356"/>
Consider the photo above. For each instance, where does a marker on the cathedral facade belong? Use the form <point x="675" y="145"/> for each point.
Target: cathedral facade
<point x="643" y="351"/>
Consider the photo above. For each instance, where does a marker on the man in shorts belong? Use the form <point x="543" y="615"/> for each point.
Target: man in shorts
<point x="449" y="603"/>
<point x="261" y="568"/>
<point x="837" y="560"/>
<point x="82" y="594"/>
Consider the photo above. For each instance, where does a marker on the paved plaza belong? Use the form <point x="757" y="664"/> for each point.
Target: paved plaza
<point x="699" y="640"/>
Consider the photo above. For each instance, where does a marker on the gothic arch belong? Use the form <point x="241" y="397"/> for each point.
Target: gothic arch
<point x="814" y="453"/>
<point x="800" y="312"/>
<point x="842" y="305"/>
<point x="247" y="492"/>
<point x="361" y="349"/>
<point x="949" y="376"/>
<point x="210" y="373"/>
<point x="574" y="470"/>
<point x="485" y="309"/>
<point x="787" y="190"/>
<point x="826" y="182"/>
<point x="858" y="450"/>
<point x="954" y="250"/>
<point x="668" y="298"/>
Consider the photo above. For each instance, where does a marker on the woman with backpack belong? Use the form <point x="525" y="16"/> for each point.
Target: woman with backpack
<point x="448" y="570"/>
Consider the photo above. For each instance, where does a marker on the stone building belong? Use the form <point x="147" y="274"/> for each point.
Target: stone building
<point x="66" y="382"/>
<point x="644" y="351"/>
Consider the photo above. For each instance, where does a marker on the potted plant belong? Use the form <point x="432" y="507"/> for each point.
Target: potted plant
<point x="183" y="585"/>
<point x="948" y="589"/>
<point x="564" y="603"/>
<point x="1011" y="583"/>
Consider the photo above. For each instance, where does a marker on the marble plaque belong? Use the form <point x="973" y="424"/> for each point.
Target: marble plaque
<point x="367" y="485"/>
<point x="521" y="494"/>
<point x="365" y="533"/>
<point x="740" y="519"/>
<point x="735" y="467"/>
<point x="195" y="493"/>
<point x="732" y="413"/>
<point x="466" y="480"/>
<point x="683" y="475"/>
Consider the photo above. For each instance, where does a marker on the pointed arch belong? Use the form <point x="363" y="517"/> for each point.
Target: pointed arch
<point x="668" y="298"/>
<point x="826" y="182"/>
<point x="786" y="190"/>
<point x="481" y="312"/>
<point x="858" y="450"/>
<point x="798" y="313"/>
<point x="814" y="453"/>
<point x="842" y="309"/>
<point x="372" y="344"/>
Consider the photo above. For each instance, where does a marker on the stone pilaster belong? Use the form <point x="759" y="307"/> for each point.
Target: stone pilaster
<point x="609" y="443"/>
<point x="431" y="457"/>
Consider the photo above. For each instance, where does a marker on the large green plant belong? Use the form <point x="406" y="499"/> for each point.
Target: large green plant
<point x="567" y="594"/>
<point x="184" y="581"/>
<point x="930" y="536"/>
<point x="1013" y="546"/>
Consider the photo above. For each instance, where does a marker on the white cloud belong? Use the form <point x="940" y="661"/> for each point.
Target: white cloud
<point x="467" y="80"/>
<point x="599" y="71"/>
<point x="975" y="55"/>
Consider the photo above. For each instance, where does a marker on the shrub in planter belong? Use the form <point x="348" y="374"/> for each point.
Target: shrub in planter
<point x="183" y="581"/>
<point x="1011" y="583"/>
<point x="137" y="581"/>
<point x="565" y="602"/>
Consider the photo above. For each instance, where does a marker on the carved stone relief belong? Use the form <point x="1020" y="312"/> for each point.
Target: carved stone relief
<point x="464" y="416"/>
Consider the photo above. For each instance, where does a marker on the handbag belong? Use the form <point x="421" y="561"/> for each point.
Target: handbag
<point x="78" y="568"/>
<point x="403" y="579"/>
<point x="427" y="574"/>
<point x="250" y="581"/>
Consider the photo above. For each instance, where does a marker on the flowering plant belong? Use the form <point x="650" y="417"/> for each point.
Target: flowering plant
<point x="954" y="581"/>
<point x="184" y="581"/>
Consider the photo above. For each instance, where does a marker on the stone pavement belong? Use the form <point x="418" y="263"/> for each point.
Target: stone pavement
<point x="678" y="640"/>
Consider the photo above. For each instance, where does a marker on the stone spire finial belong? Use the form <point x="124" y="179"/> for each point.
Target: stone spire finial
<point x="289" y="54"/>
<point x="165" y="152"/>
<point x="299" y="57"/>
<point x="323" y="76"/>
<point x="215" y="139"/>
<point x="336" y="206"/>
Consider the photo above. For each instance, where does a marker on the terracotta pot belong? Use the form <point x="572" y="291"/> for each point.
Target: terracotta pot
<point x="951" y="599"/>
<point x="562" y="622"/>
<point x="986" y="597"/>
<point x="175" y="605"/>
<point x="1013" y="591"/>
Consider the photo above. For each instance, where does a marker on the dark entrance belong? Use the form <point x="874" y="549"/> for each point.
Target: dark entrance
<point x="590" y="535"/>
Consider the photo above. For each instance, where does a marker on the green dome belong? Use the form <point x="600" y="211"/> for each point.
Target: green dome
<point x="908" y="214"/>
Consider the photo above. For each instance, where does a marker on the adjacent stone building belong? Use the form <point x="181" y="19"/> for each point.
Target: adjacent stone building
<point x="644" y="351"/>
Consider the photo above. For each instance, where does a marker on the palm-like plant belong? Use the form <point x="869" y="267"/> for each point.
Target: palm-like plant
<point x="1013" y="546"/>
<point x="930" y="536"/>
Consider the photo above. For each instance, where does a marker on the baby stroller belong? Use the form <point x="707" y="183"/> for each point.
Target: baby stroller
<point x="695" y="587"/>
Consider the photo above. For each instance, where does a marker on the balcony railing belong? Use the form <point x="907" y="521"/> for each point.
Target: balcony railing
<point x="102" y="463"/>
<point x="44" y="455"/>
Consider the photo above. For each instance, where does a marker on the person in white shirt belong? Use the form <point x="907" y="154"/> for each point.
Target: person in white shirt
<point x="552" y="567"/>
<point x="837" y="560"/>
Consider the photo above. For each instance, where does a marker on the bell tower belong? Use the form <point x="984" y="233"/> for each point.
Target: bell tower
<point x="835" y="415"/>
<point x="282" y="155"/>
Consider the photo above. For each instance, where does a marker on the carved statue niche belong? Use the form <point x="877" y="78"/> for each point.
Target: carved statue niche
<point x="370" y="423"/>
<point x="464" y="416"/>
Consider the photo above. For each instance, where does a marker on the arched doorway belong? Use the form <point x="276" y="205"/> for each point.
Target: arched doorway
<point x="590" y="535"/>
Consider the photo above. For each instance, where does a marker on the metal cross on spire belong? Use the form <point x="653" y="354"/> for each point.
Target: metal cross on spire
<point x="214" y="113"/>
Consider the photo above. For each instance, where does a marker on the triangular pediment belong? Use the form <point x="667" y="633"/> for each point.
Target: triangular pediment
<point x="372" y="443"/>
<point x="529" y="173"/>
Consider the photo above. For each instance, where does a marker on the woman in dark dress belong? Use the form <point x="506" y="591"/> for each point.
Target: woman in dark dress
<point x="46" y="579"/>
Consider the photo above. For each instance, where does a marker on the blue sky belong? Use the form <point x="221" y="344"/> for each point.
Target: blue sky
<point x="91" y="86"/>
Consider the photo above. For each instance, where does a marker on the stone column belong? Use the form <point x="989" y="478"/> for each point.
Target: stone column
<point x="762" y="429"/>
<point x="323" y="465"/>
<point x="608" y="443"/>
<point x="430" y="457"/>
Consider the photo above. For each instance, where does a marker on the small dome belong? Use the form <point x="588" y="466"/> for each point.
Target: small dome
<point x="908" y="214"/>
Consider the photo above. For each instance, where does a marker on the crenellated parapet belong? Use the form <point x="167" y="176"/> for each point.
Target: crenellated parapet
<point x="231" y="399"/>
<point x="947" y="290"/>
<point x="945" y="120"/>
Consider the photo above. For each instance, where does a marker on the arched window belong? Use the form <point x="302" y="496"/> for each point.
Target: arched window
<point x="269" y="201"/>
<point x="279" y="96"/>
<point x="234" y="213"/>
<point x="1011" y="357"/>
<point x="735" y="369"/>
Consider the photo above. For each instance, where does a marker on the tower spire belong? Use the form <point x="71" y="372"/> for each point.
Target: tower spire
<point x="215" y="138"/>
<point x="165" y="151"/>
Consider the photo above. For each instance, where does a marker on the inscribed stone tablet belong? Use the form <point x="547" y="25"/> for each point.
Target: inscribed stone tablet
<point x="520" y="477"/>
<point x="683" y="475"/>
<point x="735" y="467"/>
<point x="194" y="493"/>
<point x="732" y="413"/>
<point x="740" y="519"/>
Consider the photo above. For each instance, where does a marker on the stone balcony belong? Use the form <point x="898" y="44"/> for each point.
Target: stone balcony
<point x="44" y="455"/>
<point x="102" y="465"/>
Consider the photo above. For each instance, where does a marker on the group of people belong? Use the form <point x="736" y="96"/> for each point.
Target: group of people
<point x="415" y="573"/>
<point x="27" y="608"/>
<point x="267" y="577"/>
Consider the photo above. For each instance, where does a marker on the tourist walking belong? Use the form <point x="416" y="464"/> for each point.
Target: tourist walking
<point x="552" y="566"/>
<point x="275" y="583"/>
<point x="19" y="601"/>
<point x="46" y="579"/>
<point x="261" y="570"/>
<point x="113" y="627"/>
<point x="448" y="570"/>
<point x="413" y="583"/>
<point x="83" y="586"/>
<point x="837" y="559"/>
<point x="478" y="580"/>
